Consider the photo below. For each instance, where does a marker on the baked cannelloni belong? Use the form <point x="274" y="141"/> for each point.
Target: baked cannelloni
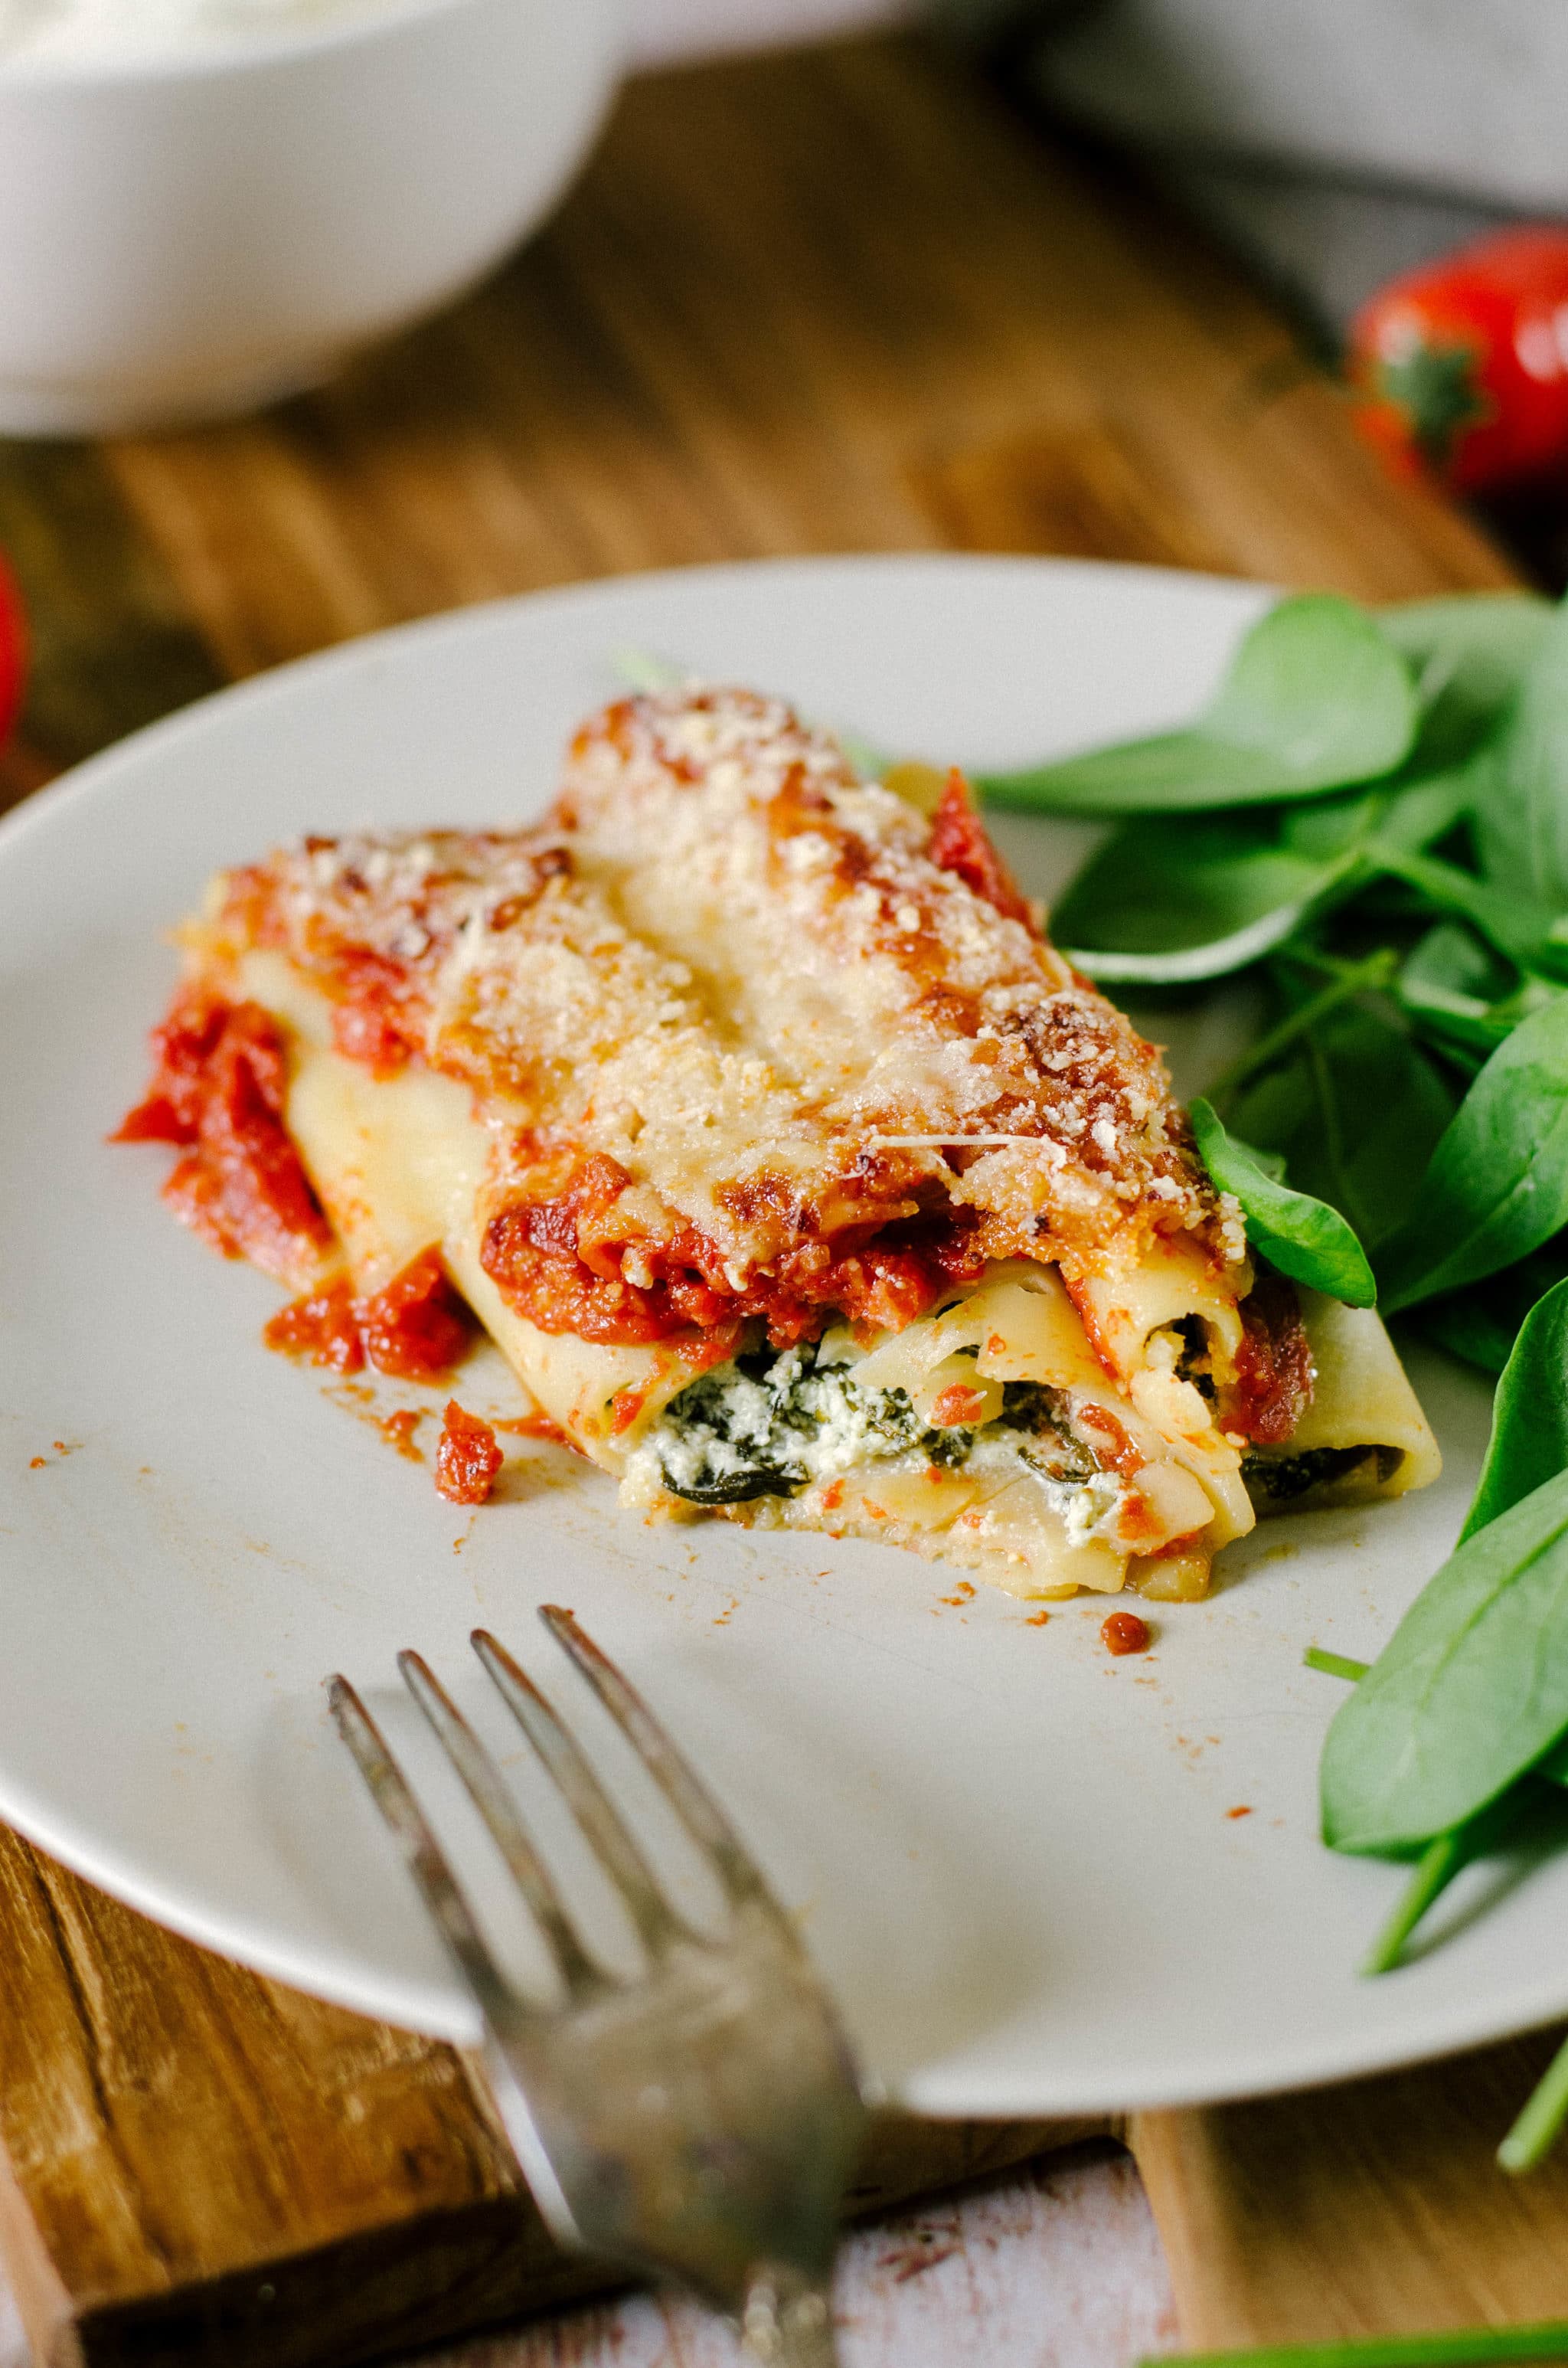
<point x="797" y="1176"/>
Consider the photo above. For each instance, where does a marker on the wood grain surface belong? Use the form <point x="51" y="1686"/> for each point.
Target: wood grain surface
<point x="197" y="2163"/>
<point x="838" y="300"/>
<point x="1363" y="2210"/>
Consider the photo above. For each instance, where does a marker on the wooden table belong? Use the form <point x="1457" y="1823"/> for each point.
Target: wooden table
<point x="842" y="301"/>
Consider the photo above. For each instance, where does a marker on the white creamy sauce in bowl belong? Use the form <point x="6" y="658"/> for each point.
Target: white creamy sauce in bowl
<point x="107" y="30"/>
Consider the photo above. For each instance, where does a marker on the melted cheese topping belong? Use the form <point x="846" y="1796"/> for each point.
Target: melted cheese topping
<point x="735" y="970"/>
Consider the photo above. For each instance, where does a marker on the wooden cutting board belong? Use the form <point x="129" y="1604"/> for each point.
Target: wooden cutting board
<point x="840" y="300"/>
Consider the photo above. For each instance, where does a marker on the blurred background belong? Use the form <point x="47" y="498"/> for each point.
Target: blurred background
<point x="1334" y="145"/>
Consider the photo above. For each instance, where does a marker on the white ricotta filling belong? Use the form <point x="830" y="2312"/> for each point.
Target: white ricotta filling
<point x="803" y="1423"/>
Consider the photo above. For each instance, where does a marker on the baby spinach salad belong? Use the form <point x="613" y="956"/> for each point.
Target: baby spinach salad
<point x="1370" y="821"/>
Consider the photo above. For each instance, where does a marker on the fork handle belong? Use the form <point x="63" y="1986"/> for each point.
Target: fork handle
<point x="787" y="2319"/>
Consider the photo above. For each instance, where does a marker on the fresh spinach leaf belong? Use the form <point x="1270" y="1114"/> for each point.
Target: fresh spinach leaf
<point x="1335" y="1665"/>
<point x="1303" y="1237"/>
<point x="1271" y="1163"/>
<point x="1469" y="653"/>
<point x="1482" y="1324"/>
<point x="1469" y="1691"/>
<point x="1411" y="814"/>
<point x="1528" y="932"/>
<point x="1169" y="900"/>
<point x="1447" y="1853"/>
<point x="1474" y="1325"/>
<point x="1175" y="898"/>
<point x="1529" y="1414"/>
<point x="1522" y="802"/>
<point x="1497" y="1184"/>
<point x="1345" y="983"/>
<point x="1444" y="1857"/>
<point x="1356" y="1108"/>
<point x="1461" y="994"/>
<point x="1452" y="959"/>
<point x="1535" y="2132"/>
<point x="1315" y="698"/>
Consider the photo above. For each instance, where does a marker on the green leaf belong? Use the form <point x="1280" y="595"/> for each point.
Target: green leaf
<point x="1482" y="1323"/>
<point x="643" y="670"/>
<point x="1413" y="813"/>
<point x="1540" y="2124"/>
<point x="1470" y="1326"/>
<point x="1471" y="1689"/>
<point x="1461" y="993"/>
<point x="1522" y="806"/>
<point x="1497" y="1186"/>
<point x="1304" y="1239"/>
<point x="1176" y="898"/>
<point x="1335" y="1665"/>
<point x="1452" y="961"/>
<point x="1449" y="2347"/>
<point x="1167" y="900"/>
<point x="1529" y="1414"/>
<point x="1524" y="930"/>
<point x="1468" y="654"/>
<point x="1444" y="1857"/>
<point x="1315" y="698"/>
<point x="1357" y="1110"/>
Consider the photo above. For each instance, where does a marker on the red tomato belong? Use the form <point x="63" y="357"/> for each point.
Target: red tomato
<point x="1463" y="365"/>
<point x="13" y="650"/>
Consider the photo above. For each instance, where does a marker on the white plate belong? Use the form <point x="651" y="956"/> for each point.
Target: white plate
<point x="1019" y="1860"/>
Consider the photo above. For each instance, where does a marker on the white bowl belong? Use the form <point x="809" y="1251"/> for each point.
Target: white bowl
<point x="188" y="236"/>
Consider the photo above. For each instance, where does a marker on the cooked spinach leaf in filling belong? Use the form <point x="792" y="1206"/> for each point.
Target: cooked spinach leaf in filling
<point x="772" y="1423"/>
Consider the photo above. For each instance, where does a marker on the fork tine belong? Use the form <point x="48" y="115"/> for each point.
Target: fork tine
<point x="487" y="1790"/>
<point x="427" y="1861"/>
<point x="603" y="1826"/>
<point x="742" y="1879"/>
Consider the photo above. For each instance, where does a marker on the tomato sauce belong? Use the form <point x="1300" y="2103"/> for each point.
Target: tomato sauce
<point x="1116" y="1451"/>
<point x="219" y="1083"/>
<point x="959" y="1403"/>
<point x="398" y="1429"/>
<point x="539" y="1425"/>
<point x="563" y="1262"/>
<point x="417" y="1329"/>
<point x="1274" y="1364"/>
<point x="960" y="844"/>
<point x="372" y="1019"/>
<point x="467" y="1458"/>
<point x="1123" y="1632"/>
<point x="322" y="1327"/>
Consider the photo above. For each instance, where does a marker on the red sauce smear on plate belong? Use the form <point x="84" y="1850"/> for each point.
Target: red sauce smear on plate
<point x="539" y="1425"/>
<point x="398" y="1430"/>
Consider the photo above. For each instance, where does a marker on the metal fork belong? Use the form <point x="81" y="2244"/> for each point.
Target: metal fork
<point x="696" y="2120"/>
